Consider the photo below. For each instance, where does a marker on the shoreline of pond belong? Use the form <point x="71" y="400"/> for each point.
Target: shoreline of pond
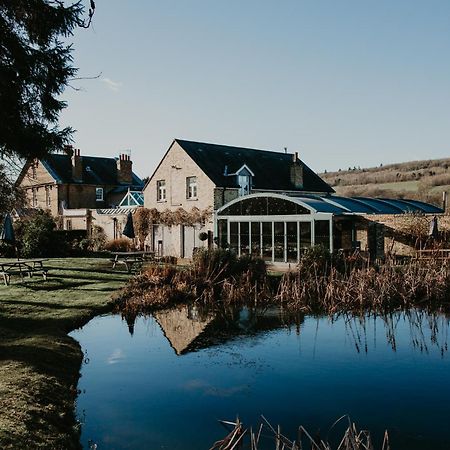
<point x="41" y="364"/>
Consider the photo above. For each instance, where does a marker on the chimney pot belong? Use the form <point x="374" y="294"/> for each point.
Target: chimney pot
<point x="124" y="169"/>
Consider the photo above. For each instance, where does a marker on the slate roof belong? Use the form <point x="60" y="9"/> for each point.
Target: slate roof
<point x="96" y="170"/>
<point x="271" y="169"/>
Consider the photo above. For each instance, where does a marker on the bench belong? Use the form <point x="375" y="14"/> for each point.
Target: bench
<point x="22" y="268"/>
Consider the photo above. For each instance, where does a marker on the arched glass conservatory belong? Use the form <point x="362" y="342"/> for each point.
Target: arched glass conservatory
<point x="275" y="227"/>
<point x="279" y="227"/>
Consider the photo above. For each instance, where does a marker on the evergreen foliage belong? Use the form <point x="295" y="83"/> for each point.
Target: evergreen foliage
<point x="35" y="67"/>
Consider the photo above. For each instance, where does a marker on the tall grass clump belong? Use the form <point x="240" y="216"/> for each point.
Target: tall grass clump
<point x="331" y="286"/>
<point x="214" y="276"/>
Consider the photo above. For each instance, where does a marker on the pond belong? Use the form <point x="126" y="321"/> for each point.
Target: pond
<point x="164" y="381"/>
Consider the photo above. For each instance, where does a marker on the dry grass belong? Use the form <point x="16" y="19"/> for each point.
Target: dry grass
<point x="321" y="284"/>
<point x="213" y="275"/>
<point x="363" y="289"/>
<point x="418" y="180"/>
<point x="352" y="439"/>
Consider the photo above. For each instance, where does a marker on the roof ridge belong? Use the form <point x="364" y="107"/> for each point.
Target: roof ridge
<point x="231" y="146"/>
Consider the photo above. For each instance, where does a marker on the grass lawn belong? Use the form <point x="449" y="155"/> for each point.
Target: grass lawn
<point x="39" y="363"/>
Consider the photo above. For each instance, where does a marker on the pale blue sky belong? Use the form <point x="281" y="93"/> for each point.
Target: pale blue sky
<point x="343" y="82"/>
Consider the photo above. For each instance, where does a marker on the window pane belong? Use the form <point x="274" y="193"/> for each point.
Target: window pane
<point x="234" y="237"/>
<point x="245" y="237"/>
<point x="161" y="189"/>
<point x="322" y="233"/>
<point x="305" y="235"/>
<point x="279" y="241"/>
<point x="267" y="241"/>
<point x="291" y="241"/>
<point x="263" y="206"/>
<point x="256" y="238"/>
<point x="279" y="206"/>
<point x="191" y="187"/>
<point x="222" y="233"/>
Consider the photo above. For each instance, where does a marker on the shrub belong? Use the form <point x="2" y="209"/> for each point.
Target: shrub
<point x="37" y="237"/>
<point x="119" y="245"/>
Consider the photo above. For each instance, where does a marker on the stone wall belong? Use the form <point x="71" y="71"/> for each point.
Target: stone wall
<point x="224" y="195"/>
<point x="175" y="167"/>
<point x="395" y="230"/>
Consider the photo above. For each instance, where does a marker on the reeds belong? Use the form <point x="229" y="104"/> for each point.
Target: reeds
<point x="381" y="288"/>
<point x="214" y="276"/>
<point x="352" y="439"/>
<point x="320" y="284"/>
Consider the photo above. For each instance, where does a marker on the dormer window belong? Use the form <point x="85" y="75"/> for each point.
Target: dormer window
<point x="99" y="194"/>
<point x="244" y="180"/>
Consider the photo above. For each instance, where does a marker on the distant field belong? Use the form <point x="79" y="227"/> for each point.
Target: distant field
<point x="422" y="180"/>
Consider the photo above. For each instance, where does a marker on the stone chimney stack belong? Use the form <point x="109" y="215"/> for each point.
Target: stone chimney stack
<point x="296" y="172"/>
<point x="124" y="169"/>
<point x="77" y="166"/>
<point x="68" y="150"/>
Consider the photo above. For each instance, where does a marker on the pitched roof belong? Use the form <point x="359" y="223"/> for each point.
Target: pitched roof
<point x="271" y="169"/>
<point x="96" y="170"/>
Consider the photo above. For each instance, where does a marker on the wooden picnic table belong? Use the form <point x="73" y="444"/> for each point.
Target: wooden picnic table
<point x="130" y="259"/>
<point x="23" y="267"/>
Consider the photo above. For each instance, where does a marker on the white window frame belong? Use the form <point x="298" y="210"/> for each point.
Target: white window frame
<point x="98" y="190"/>
<point x="191" y="188"/>
<point x="161" y="191"/>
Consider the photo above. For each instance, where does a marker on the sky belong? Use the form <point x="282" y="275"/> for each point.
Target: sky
<point x="343" y="82"/>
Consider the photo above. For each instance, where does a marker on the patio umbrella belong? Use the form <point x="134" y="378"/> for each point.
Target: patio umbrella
<point x="434" y="232"/>
<point x="128" y="231"/>
<point x="7" y="235"/>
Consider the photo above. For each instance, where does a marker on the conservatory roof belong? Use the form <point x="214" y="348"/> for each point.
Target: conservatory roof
<point x="132" y="199"/>
<point x="328" y="204"/>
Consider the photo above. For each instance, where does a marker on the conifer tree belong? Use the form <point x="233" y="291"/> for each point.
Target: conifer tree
<point x="35" y="67"/>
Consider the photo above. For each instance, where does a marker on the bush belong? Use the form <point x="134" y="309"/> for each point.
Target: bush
<point x="120" y="245"/>
<point x="97" y="240"/>
<point x="37" y="237"/>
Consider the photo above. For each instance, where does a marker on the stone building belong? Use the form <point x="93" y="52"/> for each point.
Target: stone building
<point x="207" y="176"/>
<point x="269" y="204"/>
<point x="72" y="181"/>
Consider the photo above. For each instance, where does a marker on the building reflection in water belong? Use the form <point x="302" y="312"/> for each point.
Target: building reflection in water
<point x="190" y="328"/>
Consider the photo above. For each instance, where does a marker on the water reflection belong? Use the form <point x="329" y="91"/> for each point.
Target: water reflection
<point x="183" y="368"/>
<point x="427" y="330"/>
<point x="190" y="328"/>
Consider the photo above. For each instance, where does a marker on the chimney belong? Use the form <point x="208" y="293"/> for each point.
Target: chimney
<point x="77" y="166"/>
<point x="68" y="150"/>
<point x="444" y="201"/>
<point x="296" y="172"/>
<point x="124" y="169"/>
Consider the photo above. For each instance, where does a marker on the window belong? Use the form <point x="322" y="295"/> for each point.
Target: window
<point x="161" y="190"/>
<point x="322" y="233"/>
<point x="68" y="224"/>
<point x="34" y="198"/>
<point x="244" y="180"/>
<point x="48" y="198"/>
<point x="264" y="206"/>
<point x="99" y="194"/>
<point x="191" y="187"/>
<point x="244" y="184"/>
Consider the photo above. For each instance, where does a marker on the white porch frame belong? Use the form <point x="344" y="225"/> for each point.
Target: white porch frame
<point x="311" y="218"/>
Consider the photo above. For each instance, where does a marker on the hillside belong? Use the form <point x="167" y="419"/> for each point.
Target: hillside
<point x="421" y="180"/>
